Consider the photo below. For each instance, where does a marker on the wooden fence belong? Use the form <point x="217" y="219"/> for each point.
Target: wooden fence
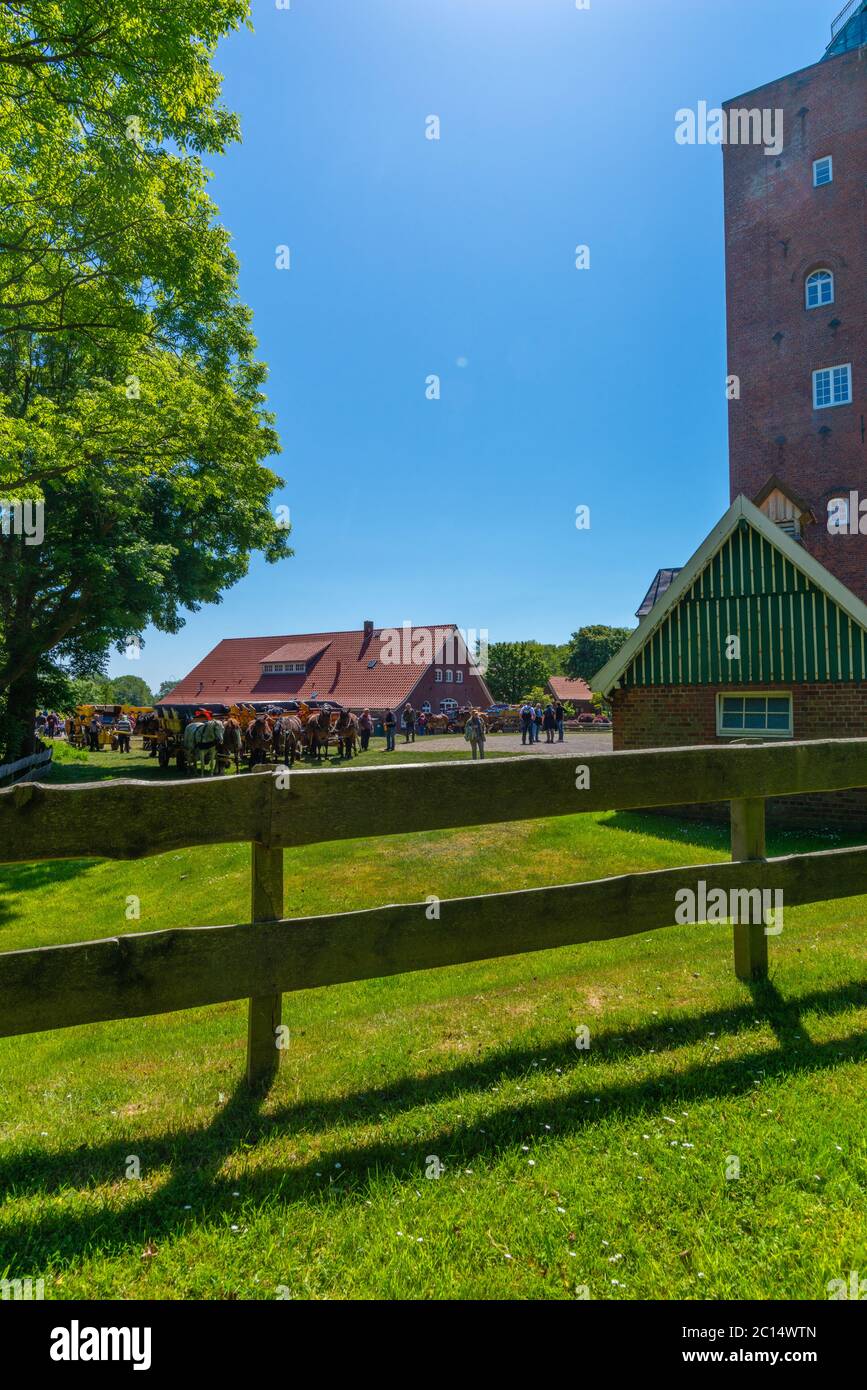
<point x="25" y="768"/>
<point x="156" y="972"/>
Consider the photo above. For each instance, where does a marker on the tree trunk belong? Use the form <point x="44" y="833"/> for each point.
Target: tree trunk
<point x="17" y="736"/>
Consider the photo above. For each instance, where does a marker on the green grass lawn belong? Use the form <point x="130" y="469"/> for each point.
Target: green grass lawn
<point x="80" y="765"/>
<point x="560" y="1169"/>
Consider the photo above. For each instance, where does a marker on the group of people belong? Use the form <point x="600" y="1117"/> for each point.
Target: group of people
<point x="49" y="724"/>
<point x="534" y="719"/>
<point x="411" y="721"/>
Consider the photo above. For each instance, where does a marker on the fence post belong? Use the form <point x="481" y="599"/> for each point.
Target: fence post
<point x="748" y="842"/>
<point x="264" y="1011"/>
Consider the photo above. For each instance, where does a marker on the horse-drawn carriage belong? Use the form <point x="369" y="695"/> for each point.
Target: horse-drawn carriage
<point x="258" y="732"/>
<point x="78" y="731"/>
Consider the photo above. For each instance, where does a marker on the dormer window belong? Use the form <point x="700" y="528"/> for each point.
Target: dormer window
<point x="782" y="507"/>
<point x="279" y="668"/>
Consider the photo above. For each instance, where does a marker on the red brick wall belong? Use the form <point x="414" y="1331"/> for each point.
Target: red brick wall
<point x="778" y="229"/>
<point x="470" y="691"/>
<point x="681" y="716"/>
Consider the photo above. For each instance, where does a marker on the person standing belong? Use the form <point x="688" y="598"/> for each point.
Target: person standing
<point x="538" y="725"/>
<point x="365" y="728"/>
<point x="560" y="718"/>
<point x="549" y="723"/>
<point x="408" y="723"/>
<point x="526" y="722"/>
<point x="475" y="734"/>
<point x="93" y="734"/>
<point x="123" y="729"/>
<point x="389" y="723"/>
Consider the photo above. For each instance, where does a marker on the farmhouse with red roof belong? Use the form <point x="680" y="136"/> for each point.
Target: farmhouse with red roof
<point x="574" y="692"/>
<point x="374" y="668"/>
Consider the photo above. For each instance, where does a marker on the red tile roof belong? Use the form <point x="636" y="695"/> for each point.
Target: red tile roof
<point x="350" y="670"/>
<point x="297" y="651"/>
<point x="572" y="690"/>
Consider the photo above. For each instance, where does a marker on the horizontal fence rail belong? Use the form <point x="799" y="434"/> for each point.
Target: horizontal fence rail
<point x="187" y="967"/>
<point x="132" y="819"/>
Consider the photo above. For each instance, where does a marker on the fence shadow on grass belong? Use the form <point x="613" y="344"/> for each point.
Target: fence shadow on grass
<point x="195" y="1156"/>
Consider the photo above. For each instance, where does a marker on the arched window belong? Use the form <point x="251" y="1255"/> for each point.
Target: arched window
<point x="820" y="289"/>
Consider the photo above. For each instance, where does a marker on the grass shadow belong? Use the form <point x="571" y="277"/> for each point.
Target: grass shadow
<point x="195" y="1156"/>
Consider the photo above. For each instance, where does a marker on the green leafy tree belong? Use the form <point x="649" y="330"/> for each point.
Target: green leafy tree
<point x="591" y="647"/>
<point x="514" y="668"/>
<point x="131" y="404"/>
<point x="538" y="696"/>
<point x="130" y="690"/>
<point x="165" y="687"/>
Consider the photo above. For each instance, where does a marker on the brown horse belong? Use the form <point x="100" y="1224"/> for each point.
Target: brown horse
<point x="229" y="749"/>
<point x="347" y="734"/>
<point x="316" y="730"/>
<point x="437" y="723"/>
<point x="291" y="737"/>
<point x="259" y="739"/>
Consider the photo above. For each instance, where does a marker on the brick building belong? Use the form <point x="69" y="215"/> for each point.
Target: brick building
<point x="796" y="282"/>
<point x="752" y="639"/>
<point x="372" y="668"/>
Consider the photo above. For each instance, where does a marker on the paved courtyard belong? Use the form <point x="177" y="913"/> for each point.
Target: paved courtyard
<point x="574" y="745"/>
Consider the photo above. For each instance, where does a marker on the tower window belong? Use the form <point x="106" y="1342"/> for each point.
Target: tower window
<point x="823" y="171"/>
<point x="820" y="289"/>
<point x="832" y="386"/>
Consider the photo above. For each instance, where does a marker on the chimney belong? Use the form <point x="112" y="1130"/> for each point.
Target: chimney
<point x="368" y="629"/>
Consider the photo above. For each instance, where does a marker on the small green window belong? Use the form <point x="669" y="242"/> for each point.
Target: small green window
<point x="751" y="716"/>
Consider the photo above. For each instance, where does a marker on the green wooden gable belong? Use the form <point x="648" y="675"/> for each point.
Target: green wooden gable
<point x="750" y="581"/>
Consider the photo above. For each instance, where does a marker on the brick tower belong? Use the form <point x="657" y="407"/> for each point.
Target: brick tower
<point x="796" y="286"/>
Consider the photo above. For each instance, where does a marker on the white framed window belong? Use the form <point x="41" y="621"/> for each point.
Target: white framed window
<point x="823" y="171"/>
<point x="459" y="677"/>
<point x="832" y="386"/>
<point x="448" y="705"/>
<point x="425" y="709"/>
<point x="754" y="716"/>
<point x="438" y="675"/>
<point x="819" y="289"/>
<point x="450" y="675"/>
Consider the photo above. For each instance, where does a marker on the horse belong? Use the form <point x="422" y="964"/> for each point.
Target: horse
<point x="347" y="734"/>
<point x="437" y="723"/>
<point x="259" y="739"/>
<point x="201" y="738"/>
<point x="291" y="736"/>
<point x="230" y="746"/>
<point x="317" y="729"/>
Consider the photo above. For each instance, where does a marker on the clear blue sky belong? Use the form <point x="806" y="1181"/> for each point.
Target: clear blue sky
<point x="411" y="257"/>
